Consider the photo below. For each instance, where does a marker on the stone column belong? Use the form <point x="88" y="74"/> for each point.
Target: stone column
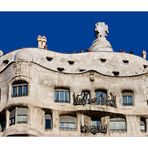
<point x="133" y="125"/>
<point x="56" y="120"/>
<point x="105" y="121"/>
<point x="7" y="118"/>
<point x="147" y="124"/>
<point x="78" y="122"/>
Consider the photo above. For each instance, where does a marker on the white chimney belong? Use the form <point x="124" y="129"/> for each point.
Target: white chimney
<point x="144" y="54"/>
<point x="42" y="42"/>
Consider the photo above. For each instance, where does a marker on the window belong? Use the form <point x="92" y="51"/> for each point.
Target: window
<point x="101" y="96"/>
<point x="18" y="115"/>
<point x="96" y="122"/>
<point x="67" y="122"/>
<point x="118" y="124"/>
<point x="19" y="88"/>
<point x="142" y="125"/>
<point x="127" y="98"/>
<point x="48" y="121"/>
<point x="86" y="93"/>
<point x="62" y="95"/>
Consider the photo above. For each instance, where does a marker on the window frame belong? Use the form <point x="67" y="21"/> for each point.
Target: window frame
<point x="59" y="91"/>
<point x="16" y="115"/>
<point x="66" y="125"/>
<point x="117" y="120"/>
<point x="45" y="121"/>
<point x="21" y="89"/>
<point x="126" y="96"/>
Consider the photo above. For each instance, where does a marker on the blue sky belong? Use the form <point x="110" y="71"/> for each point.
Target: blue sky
<point x="72" y="31"/>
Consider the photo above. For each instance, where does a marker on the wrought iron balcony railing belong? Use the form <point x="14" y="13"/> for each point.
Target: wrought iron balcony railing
<point x="84" y="99"/>
<point x="94" y="129"/>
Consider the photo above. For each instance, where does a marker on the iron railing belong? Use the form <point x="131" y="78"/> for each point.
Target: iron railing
<point x="84" y="99"/>
<point x="94" y="129"/>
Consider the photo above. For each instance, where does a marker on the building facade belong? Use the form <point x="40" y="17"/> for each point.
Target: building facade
<point x="94" y="93"/>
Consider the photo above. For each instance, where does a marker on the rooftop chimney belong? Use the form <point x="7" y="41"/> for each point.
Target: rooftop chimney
<point x="144" y="54"/>
<point x="42" y="42"/>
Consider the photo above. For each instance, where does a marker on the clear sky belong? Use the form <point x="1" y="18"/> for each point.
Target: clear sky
<point x="72" y="31"/>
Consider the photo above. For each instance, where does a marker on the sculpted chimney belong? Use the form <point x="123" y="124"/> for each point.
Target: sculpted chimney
<point x="144" y="54"/>
<point x="42" y="42"/>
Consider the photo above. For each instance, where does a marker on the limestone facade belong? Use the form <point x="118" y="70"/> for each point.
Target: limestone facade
<point x="96" y="93"/>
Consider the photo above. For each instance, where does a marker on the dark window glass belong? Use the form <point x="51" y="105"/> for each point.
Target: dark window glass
<point x="48" y="121"/>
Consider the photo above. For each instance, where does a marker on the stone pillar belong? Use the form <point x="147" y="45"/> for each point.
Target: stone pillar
<point x="147" y="124"/>
<point x="56" y="120"/>
<point x="105" y="121"/>
<point x="133" y="125"/>
<point x="78" y="122"/>
<point x="7" y="118"/>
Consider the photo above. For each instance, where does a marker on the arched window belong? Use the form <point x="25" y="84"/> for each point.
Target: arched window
<point x="48" y="121"/>
<point x="142" y="125"/>
<point x="67" y="122"/>
<point x="127" y="98"/>
<point x="118" y="124"/>
<point x="62" y="95"/>
<point x="18" y="115"/>
<point x="101" y="95"/>
<point x="19" y="88"/>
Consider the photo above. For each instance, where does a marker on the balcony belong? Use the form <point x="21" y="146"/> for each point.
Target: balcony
<point x="94" y="129"/>
<point x="84" y="99"/>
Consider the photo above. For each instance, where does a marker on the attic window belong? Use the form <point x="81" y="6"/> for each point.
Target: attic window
<point x="60" y="68"/>
<point x="145" y="66"/>
<point x="5" y="61"/>
<point x="49" y="58"/>
<point x="81" y="70"/>
<point x="103" y="60"/>
<point x="125" y="61"/>
<point x="71" y="62"/>
<point x="116" y="73"/>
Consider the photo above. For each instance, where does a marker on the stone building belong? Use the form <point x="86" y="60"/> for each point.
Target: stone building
<point x="94" y="93"/>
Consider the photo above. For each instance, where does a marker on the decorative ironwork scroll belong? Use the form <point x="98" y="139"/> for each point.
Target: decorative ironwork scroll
<point x="84" y="99"/>
<point x="94" y="129"/>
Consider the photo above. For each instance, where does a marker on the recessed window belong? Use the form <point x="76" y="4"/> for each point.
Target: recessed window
<point x="127" y="98"/>
<point x="60" y="68"/>
<point x="103" y="60"/>
<point x="116" y="73"/>
<point x="118" y="124"/>
<point x="49" y="58"/>
<point x="71" y="62"/>
<point x="18" y="115"/>
<point x="67" y="123"/>
<point x="19" y="88"/>
<point x="142" y="125"/>
<point x="62" y="95"/>
<point x="5" y="61"/>
<point x="96" y="122"/>
<point x="86" y="93"/>
<point x="101" y="96"/>
<point x="48" y="121"/>
<point x="125" y="61"/>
